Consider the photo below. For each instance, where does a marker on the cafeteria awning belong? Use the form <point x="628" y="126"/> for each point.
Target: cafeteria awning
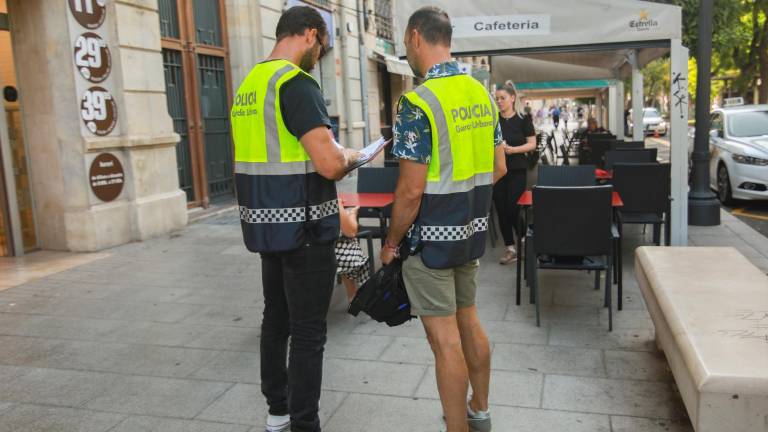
<point x="553" y="40"/>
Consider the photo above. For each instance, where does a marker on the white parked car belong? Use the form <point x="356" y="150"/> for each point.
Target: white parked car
<point x="652" y="122"/>
<point x="738" y="147"/>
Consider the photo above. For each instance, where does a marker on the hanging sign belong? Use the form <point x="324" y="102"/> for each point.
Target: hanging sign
<point x="88" y="13"/>
<point x="92" y="57"/>
<point x="106" y="177"/>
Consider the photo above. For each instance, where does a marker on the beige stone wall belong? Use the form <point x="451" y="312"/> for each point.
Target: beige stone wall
<point x="69" y="216"/>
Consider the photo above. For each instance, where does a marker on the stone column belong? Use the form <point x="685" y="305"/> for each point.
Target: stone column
<point x="69" y="215"/>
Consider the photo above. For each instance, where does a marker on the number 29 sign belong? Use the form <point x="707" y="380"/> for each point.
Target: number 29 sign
<point x="98" y="111"/>
<point x="92" y="57"/>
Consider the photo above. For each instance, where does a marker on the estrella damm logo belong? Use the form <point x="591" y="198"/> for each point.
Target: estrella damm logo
<point x="245" y="104"/>
<point x="472" y="116"/>
<point x="644" y="23"/>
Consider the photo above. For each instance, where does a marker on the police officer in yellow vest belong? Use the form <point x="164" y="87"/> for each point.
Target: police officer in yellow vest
<point x="286" y="163"/>
<point x="450" y="148"/>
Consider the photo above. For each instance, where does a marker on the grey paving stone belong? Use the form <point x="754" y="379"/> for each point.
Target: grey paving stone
<point x="521" y="389"/>
<point x="157" y="424"/>
<point x="370" y="413"/>
<point x="584" y="315"/>
<point x="540" y="420"/>
<point x="412" y="328"/>
<point x="372" y="377"/>
<point x="359" y="347"/>
<point x="244" y="404"/>
<point x="32" y="418"/>
<point x="227" y="338"/>
<point x="609" y="396"/>
<point x="162" y="397"/>
<point x="514" y="332"/>
<point x="57" y="327"/>
<point x="11" y="372"/>
<point x="647" y="366"/>
<point x="231" y="366"/>
<point x="57" y="387"/>
<point x="601" y="338"/>
<point x="634" y="424"/>
<point x="227" y="297"/>
<point x="156" y="333"/>
<point x="157" y="312"/>
<point x="628" y="319"/>
<point x="548" y="359"/>
<point x="409" y="350"/>
<point x="240" y="316"/>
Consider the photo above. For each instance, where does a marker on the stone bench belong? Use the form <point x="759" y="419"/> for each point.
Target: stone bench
<point x="710" y="310"/>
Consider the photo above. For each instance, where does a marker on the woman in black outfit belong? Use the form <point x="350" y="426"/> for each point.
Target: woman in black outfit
<point x="520" y="138"/>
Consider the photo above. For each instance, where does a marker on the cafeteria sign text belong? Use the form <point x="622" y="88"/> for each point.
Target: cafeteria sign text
<point x="501" y="25"/>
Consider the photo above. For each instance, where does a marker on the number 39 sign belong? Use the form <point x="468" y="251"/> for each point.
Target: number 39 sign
<point x="92" y="57"/>
<point x="98" y="111"/>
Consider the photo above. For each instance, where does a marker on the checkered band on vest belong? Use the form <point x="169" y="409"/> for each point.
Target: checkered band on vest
<point x="454" y="233"/>
<point x="288" y="215"/>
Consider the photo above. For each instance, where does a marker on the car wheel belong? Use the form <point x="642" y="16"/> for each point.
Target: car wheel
<point x="724" y="186"/>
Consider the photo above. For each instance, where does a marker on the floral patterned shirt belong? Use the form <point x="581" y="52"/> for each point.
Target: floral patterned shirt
<point x="412" y="132"/>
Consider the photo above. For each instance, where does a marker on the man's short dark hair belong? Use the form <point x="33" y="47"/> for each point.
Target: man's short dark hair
<point x="297" y="19"/>
<point x="433" y="24"/>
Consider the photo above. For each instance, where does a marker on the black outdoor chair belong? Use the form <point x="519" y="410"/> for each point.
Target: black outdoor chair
<point x="645" y="191"/>
<point x="627" y="145"/>
<point x="579" y="175"/>
<point x="377" y="180"/>
<point x="598" y="146"/>
<point x="612" y="157"/>
<point x="587" y="243"/>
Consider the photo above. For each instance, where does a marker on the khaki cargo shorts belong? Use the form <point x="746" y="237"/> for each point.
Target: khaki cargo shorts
<point x="439" y="292"/>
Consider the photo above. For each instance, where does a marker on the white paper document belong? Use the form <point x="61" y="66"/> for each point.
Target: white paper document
<point x="369" y="153"/>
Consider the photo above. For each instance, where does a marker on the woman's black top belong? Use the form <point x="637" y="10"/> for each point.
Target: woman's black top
<point x="515" y="131"/>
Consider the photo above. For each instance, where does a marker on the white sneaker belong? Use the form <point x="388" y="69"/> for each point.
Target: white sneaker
<point x="479" y="421"/>
<point x="278" y="423"/>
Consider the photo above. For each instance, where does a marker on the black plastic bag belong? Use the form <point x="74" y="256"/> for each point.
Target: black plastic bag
<point x="383" y="297"/>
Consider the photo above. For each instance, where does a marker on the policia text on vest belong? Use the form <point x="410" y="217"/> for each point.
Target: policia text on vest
<point x="472" y="117"/>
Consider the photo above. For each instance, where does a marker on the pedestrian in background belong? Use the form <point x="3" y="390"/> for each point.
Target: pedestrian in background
<point x="445" y="201"/>
<point x="519" y="139"/>
<point x="285" y="164"/>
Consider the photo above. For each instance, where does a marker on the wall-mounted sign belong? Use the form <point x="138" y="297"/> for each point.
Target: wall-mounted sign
<point x="98" y="110"/>
<point x="88" y="13"/>
<point x="92" y="57"/>
<point x="501" y="25"/>
<point x="106" y="177"/>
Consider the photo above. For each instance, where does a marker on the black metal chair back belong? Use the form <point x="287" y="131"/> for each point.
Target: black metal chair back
<point x="643" y="187"/>
<point x="613" y="157"/>
<point x="627" y="145"/>
<point x="587" y="230"/>
<point x="579" y="175"/>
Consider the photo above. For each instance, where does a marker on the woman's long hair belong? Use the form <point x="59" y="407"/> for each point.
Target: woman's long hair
<point x="510" y="88"/>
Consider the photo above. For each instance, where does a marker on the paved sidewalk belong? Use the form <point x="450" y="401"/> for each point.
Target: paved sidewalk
<point x="163" y="336"/>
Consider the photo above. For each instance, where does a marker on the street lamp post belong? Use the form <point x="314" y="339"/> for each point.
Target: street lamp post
<point x="703" y="207"/>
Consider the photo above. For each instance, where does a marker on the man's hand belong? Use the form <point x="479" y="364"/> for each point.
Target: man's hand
<point x="388" y="254"/>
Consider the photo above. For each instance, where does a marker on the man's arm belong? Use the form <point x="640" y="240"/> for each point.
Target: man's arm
<point x="410" y="188"/>
<point x="499" y="163"/>
<point x="329" y="160"/>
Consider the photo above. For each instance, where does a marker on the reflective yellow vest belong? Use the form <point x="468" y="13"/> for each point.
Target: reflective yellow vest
<point x="454" y="209"/>
<point x="283" y="202"/>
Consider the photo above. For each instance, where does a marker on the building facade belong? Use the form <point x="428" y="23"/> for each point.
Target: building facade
<point x="115" y="122"/>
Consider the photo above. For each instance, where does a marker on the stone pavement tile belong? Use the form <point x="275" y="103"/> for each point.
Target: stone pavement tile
<point x="521" y="389"/>
<point x="228" y="297"/>
<point x="157" y="424"/>
<point x="489" y="308"/>
<point x="610" y="396"/>
<point x="156" y="333"/>
<point x="548" y="359"/>
<point x="514" y="332"/>
<point x="360" y="347"/>
<point x="152" y="294"/>
<point x="33" y="418"/>
<point x="227" y="315"/>
<point x="231" y="366"/>
<point x="601" y="338"/>
<point x="11" y="372"/>
<point x="29" y="352"/>
<point x="627" y="319"/>
<point x="227" y="338"/>
<point x="634" y="424"/>
<point x="566" y="295"/>
<point x="365" y="376"/>
<point x="409" y="350"/>
<point x="57" y="387"/>
<point x="244" y="404"/>
<point x="412" y="328"/>
<point x="646" y="366"/>
<point x="585" y="315"/>
<point x="509" y="419"/>
<point x="370" y="413"/>
<point x="162" y="397"/>
<point x="156" y="312"/>
<point x="57" y="327"/>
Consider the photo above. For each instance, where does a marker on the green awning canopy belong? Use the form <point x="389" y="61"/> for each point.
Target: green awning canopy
<point x="558" y="85"/>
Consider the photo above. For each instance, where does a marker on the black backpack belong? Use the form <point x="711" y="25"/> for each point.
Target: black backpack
<point x="383" y="296"/>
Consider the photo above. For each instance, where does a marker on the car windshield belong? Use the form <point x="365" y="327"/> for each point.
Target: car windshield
<point x="650" y="113"/>
<point x="748" y="124"/>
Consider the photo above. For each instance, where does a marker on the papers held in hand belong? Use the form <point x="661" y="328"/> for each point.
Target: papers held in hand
<point x="369" y="153"/>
